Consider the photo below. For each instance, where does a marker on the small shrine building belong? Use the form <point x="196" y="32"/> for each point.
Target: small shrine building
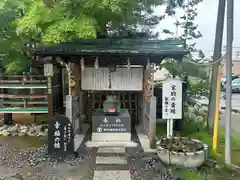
<point x="84" y="73"/>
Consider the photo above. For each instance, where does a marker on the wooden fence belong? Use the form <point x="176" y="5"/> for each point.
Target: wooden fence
<point x="19" y="94"/>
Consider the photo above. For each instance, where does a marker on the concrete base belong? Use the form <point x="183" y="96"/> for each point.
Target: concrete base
<point x="111" y="144"/>
<point x="144" y="140"/>
<point x="111" y="137"/>
<point x="79" y="137"/>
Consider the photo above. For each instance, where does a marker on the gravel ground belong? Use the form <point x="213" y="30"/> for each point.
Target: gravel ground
<point x="19" y="163"/>
<point x="35" y="164"/>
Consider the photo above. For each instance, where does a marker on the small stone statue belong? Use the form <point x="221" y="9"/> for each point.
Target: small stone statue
<point x="111" y="105"/>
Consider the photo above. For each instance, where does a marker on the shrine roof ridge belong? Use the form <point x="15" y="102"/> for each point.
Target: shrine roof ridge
<point x="113" y="46"/>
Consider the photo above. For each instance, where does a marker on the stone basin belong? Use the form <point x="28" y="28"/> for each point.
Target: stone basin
<point x="187" y="160"/>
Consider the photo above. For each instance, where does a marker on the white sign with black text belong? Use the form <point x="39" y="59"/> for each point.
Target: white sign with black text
<point x="172" y="99"/>
<point x="171" y="102"/>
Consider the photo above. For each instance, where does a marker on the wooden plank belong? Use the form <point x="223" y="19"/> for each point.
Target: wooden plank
<point x="50" y="99"/>
<point x="121" y="80"/>
<point x="24" y="110"/>
<point x="22" y="102"/>
<point x="23" y="86"/>
<point x="23" y="81"/>
<point x="11" y="96"/>
<point x="21" y="76"/>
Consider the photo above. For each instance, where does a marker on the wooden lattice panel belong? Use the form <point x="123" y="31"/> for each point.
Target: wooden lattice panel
<point x="129" y="100"/>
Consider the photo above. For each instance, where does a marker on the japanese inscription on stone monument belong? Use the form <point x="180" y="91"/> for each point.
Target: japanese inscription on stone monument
<point x="60" y="136"/>
<point x="56" y="135"/>
<point x="111" y="124"/>
<point x="172" y="99"/>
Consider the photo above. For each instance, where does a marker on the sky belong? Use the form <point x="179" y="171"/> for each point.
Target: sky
<point x="206" y="20"/>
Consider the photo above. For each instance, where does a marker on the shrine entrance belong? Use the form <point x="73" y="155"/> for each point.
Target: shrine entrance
<point x="110" y="86"/>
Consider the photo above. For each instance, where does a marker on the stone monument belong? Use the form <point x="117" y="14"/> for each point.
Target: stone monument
<point x="111" y="123"/>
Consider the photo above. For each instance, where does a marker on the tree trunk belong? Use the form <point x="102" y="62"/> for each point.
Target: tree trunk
<point x="216" y="56"/>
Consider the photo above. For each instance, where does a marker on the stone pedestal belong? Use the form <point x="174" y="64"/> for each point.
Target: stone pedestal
<point x="111" y="127"/>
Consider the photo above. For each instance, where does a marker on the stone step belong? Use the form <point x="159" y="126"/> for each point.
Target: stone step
<point x="112" y="175"/>
<point x="111" y="160"/>
<point x="111" y="136"/>
<point x="117" y="150"/>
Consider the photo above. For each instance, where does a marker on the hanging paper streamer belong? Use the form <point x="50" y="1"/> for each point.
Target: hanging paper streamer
<point x="96" y="63"/>
<point x="110" y="79"/>
<point x="96" y="72"/>
<point x="148" y="64"/>
<point x="82" y="68"/>
<point x="129" y="71"/>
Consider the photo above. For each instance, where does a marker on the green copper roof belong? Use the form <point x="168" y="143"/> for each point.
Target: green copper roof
<point x="114" y="46"/>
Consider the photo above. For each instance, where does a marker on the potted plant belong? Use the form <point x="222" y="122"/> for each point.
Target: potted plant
<point x="182" y="151"/>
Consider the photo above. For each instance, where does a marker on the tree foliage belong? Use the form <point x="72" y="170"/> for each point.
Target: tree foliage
<point x="11" y="45"/>
<point x="66" y="19"/>
<point x="190" y="69"/>
<point x="25" y="23"/>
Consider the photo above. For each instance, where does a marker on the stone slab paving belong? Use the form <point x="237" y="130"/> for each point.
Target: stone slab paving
<point x="112" y="175"/>
<point x="108" y="159"/>
<point x="111" y="160"/>
<point x="138" y="165"/>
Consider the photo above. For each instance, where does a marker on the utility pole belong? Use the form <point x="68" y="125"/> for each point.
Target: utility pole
<point x="216" y="56"/>
<point x="230" y="13"/>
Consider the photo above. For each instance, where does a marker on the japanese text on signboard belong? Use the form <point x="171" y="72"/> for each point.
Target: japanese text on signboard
<point x="172" y="99"/>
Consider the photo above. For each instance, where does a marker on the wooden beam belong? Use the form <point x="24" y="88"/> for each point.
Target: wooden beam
<point x="50" y="98"/>
<point x="11" y="96"/>
<point x="20" y="82"/>
<point x="22" y="102"/>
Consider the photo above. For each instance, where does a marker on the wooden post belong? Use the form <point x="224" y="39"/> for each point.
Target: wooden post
<point x="48" y="72"/>
<point x="50" y="97"/>
<point x="61" y="87"/>
<point x="152" y="124"/>
<point x="76" y="72"/>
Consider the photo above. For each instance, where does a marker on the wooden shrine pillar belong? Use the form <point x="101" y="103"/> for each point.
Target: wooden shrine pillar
<point x="152" y="122"/>
<point x="61" y="86"/>
<point x="77" y="96"/>
<point x="48" y="72"/>
<point x="57" y="90"/>
<point x="149" y="106"/>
